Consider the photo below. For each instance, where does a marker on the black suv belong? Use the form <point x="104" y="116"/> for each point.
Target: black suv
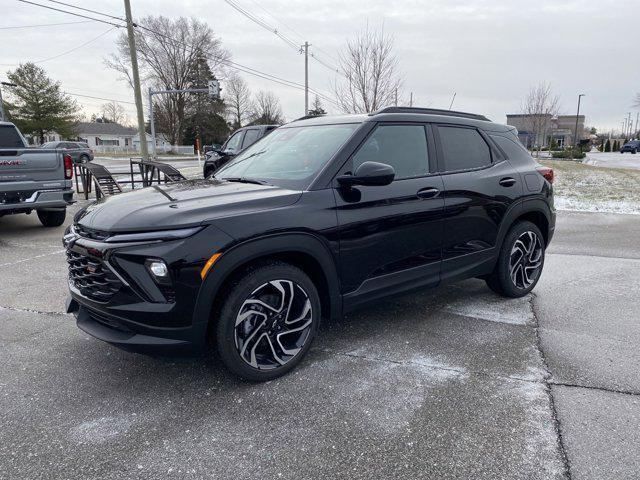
<point x="240" y="139"/>
<point x="320" y="217"/>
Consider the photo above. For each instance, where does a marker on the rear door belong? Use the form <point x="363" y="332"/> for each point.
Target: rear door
<point x="391" y="235"/>
<point x="479" y="188"/>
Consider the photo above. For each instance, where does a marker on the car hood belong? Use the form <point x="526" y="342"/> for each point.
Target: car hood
<point x="182" y="204"/>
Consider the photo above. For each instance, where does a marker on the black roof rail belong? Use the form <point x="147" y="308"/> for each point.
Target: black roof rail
<point x="306" y="117"/>
<point x="430" y="111"/>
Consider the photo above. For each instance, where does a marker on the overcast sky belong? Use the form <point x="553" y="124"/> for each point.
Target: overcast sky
<point x="490" y="52"/>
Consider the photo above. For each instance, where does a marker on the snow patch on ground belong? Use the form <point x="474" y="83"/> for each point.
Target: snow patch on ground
<point x="602" y="206"/>
<point x="100" y="430"/>
<point x="492" y="308"/>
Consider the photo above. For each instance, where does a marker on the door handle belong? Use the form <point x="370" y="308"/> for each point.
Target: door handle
<point x="429" y="192"/>
<point x="507" y="182"/>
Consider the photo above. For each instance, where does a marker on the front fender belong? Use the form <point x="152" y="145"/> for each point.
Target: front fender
<point x="247" y="251"/>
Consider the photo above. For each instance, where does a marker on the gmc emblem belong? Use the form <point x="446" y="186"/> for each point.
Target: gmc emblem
<point x="11" y="162"/>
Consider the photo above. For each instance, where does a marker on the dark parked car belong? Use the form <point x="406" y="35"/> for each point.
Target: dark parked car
<point x="236" y="143"/>
<point x="321" y="217"/>
<point x="79" y="151"/>
<point x="632" y="146"/>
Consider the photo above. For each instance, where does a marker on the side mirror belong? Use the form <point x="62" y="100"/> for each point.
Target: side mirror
<point x="369" y="174"/>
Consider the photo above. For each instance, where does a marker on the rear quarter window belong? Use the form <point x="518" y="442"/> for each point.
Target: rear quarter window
<point x="514" y="150"/>
<point x="463" y="148"/>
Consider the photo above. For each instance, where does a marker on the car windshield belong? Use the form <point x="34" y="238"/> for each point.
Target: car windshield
<point x="288" y="157"/>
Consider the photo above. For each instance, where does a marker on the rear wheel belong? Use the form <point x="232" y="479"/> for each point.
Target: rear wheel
<point x="83" y="159"/>
<point x="520" y="262"/>
<point x="634" y="151"/>
<point x="52" y="218"/>
<point x="267" y="321"/>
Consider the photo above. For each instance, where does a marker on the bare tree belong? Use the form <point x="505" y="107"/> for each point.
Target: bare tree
<point x="114" y="112"/>
<point x="636" y="101"/>
<point x="539" y="106"/>
<point x="370" y="70"/>
<point x="168" y="50"/>
<point x="266" y="109"/>
<point x="238" y="100"/>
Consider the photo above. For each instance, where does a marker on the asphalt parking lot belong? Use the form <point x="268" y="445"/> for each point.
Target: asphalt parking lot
<point x="450" y="383"/>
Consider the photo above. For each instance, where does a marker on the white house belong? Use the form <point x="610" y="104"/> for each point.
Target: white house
<point x="100" y="134"/>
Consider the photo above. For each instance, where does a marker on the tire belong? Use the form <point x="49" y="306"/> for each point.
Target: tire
<point x="52" y="218"/>
<point x="253" y="349"/>
<point x="634" y="151"/>
<point x="83" y="159"/>
<point x="522" y="253"/>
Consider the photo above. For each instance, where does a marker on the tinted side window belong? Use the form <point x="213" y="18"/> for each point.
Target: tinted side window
<point x="9" y="137"/>
<point x="404" y="147"/>
<point x="233" y="143"/>
<point x="250" y="137"/>
<point x="463" y="148"/>
<point x="514" y="151"/>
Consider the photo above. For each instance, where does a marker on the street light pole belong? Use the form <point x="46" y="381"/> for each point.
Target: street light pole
<point x="575" y="132"/>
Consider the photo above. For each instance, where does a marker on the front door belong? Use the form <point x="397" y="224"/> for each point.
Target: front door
<point x="390" y="236"/>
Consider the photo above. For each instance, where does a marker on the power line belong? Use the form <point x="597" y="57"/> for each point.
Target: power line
<point x="68" y="51"/>
<point x="70" y="13"/>
<point x="243" y="68"/>
<point x="44" y="25"/>
<point x="97" y="98"/>
<point x="88" y="10"/>
<point x="263" y="24"/>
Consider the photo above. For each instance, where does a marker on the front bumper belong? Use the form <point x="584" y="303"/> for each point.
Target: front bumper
<point x="115" y="298"/>
<point x="130" y="335"/>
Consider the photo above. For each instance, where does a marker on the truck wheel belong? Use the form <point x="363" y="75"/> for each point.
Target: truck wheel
<point x="267" y="321"/>
<point x="52" y="218"/>
<point x="84" y="159"/>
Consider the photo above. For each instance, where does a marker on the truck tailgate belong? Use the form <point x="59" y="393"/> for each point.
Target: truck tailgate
<point x="31" y="165"/>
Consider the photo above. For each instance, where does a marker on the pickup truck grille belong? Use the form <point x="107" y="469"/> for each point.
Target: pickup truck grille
<point x="91" y="277"/>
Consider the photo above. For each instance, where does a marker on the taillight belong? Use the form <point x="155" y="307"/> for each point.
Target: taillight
<point x="546" y="172"/>
<point x="68" y="167"/>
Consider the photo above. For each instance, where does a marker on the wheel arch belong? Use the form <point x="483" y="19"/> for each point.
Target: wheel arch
<point x="306" y="251"/>
<point x="535" y="211"/>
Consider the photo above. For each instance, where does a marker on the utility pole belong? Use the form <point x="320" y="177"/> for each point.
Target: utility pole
<point x="306" y="78"/>
<point x="637" y="118"/>
<point x="411" y="100"/>
<point x="630" y="124"/>
<point x="452" y="99"/>
<point x="136" y="82"/>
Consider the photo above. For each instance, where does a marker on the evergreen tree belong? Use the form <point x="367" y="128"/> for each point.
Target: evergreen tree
<point x="204" y="114"/>
<point x="317" y="109"/>
<point x="38" y="104"/>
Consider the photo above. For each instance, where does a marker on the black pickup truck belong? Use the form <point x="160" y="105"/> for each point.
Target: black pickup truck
<point x="33" y="178"/>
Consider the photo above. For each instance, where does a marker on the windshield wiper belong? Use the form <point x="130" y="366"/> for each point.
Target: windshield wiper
<point x="245" y="180"/>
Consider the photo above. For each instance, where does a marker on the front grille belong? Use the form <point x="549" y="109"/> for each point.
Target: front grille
<point x="91" y="277"/>
<point x="90" y="233"/>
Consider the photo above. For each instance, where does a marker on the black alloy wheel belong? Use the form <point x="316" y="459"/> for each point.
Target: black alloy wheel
<point x="519" y="265"/>
<point x="267" y="321"/>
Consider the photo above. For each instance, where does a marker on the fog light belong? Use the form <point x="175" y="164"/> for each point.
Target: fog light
<point x="158" y="269"/>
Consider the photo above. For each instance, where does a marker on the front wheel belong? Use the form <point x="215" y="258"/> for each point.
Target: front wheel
<point x="634" y="151"/>
<point x="520" y="262"/>
<point x="267" y="321"/>
<point x="52" y="218"/>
